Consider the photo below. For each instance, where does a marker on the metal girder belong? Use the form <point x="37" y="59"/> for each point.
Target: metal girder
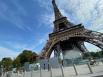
<point x="95" y="42"/>
<point x="81" y="46"/>
<point x="92" y="37"/>
<point x="69" y="31"/>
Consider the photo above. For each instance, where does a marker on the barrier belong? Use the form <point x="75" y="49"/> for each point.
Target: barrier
<point x="72" y="71"/>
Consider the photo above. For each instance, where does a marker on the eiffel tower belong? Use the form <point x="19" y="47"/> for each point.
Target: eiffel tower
<point x="67" y="36"/>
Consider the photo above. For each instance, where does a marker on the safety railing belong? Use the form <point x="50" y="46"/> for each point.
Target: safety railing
<point x="79" y="69"/>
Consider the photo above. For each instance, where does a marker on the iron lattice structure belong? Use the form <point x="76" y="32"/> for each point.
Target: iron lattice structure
<point x="67" y="35"/>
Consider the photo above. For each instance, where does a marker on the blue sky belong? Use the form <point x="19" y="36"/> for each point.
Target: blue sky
<point x="25" y="24"/>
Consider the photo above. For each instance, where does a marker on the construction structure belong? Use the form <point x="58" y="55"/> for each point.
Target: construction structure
<point x="67" y="36"/>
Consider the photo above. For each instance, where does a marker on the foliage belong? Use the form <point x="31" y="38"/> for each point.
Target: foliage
<point x="94" y="54"/>
<point x="0" y="64"/>
<point x="7" y="63"/>
<point x="16" y="63"/>
<point x="27" y="56"/>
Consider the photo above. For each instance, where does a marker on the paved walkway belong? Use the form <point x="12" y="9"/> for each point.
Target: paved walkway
<point x="82" y="70"/>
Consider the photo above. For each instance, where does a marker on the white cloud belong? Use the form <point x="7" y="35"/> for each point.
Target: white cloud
<point x="101" y="31"/>
<point x="44" y="4"/>
<point x="14" y="48"/>
<point x="47" y="20"/>
<point x="17" y="46"/>
<point x="91" y="47"/>
<point x="19" y="7"/>
<point x="13" y="16"/>
<point x="6" y="52"/>
<point x="40" y="42"/>
<point x="88" y="12"/>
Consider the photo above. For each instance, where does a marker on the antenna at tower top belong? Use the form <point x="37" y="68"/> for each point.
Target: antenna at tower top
<point x="56" y="11"/>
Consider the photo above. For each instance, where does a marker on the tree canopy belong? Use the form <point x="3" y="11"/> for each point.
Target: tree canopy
<point x="94" y="54"/>
<point x="7" y="63"/>
<point x="18" y="62"/>
<point x="26" y="56"/>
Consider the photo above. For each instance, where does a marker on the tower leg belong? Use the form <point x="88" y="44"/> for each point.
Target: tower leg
<point x="82" y="48"/>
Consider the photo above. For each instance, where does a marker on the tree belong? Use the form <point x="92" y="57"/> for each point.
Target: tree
<point x="0" y="64"/>
<point x="27" y="56"/>
<point x="34" y="57"/>
<point x="7" y="63"/>
<point x="94" y="54"/>
<point x="101" y="53"/>
<point x="16" y="63"/>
